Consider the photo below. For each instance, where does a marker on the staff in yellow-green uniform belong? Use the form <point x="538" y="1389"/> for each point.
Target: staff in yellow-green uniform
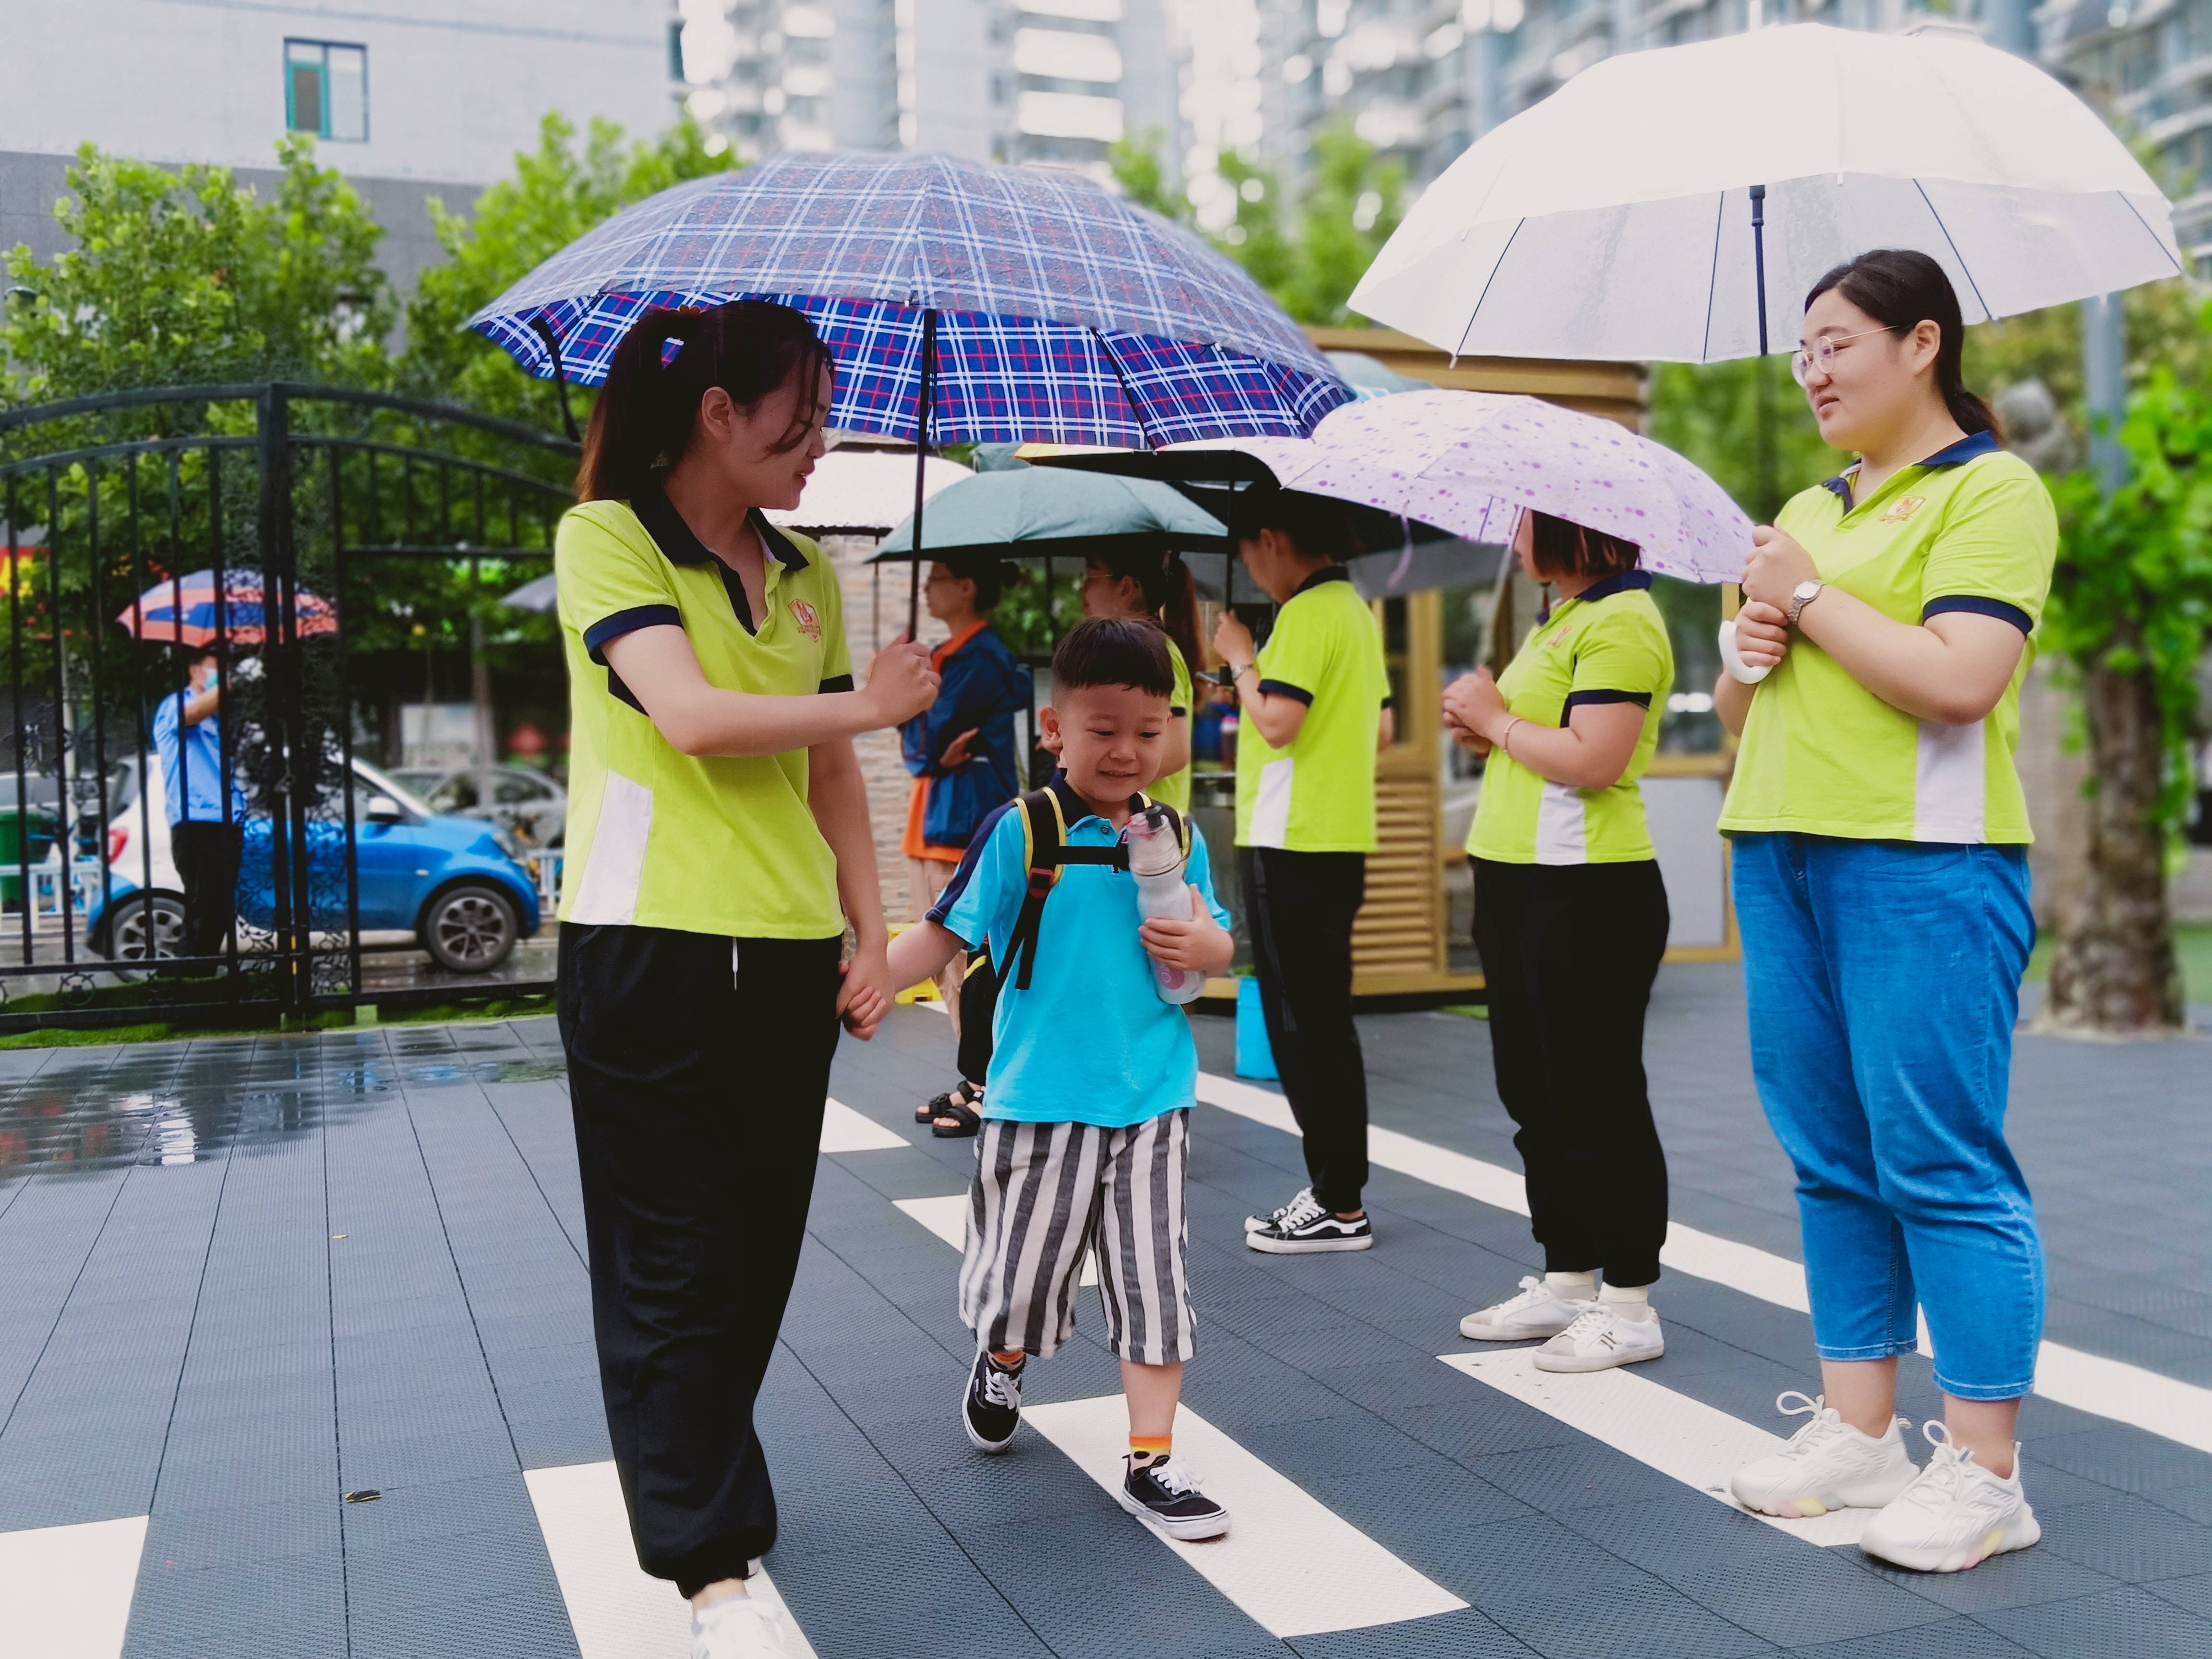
<point x="1880" y="871"/>
<point x="1150" y="583"/>
<point x="1571" y="918"/>
<point x="716" y="806"/>
<point x="1316" y="706"/>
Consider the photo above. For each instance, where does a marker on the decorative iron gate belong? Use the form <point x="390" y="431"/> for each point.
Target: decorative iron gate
<point x="289" y="507"/>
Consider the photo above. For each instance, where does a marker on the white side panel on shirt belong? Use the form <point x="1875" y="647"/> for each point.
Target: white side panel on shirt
<point x="1950" y="799"/>
<point x="65" y="1591"/>
<point x="1562" y="829"/>
<point x="1270" y="812"/>
<point x="614" y="868"/>
<point x="1296" y="1566"/>
<point x="615" y="1609"/>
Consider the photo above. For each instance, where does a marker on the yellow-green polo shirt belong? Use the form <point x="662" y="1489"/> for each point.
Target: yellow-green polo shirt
<point x="1317" y="795"/>
<point x="658" y="838"/>
<point x="1969" y="528"/>
<point x="1174" y="790"/>
<point x="1608" y="644"/>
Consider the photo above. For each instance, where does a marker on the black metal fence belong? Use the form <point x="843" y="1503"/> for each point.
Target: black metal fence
<point x="296" y="514"/>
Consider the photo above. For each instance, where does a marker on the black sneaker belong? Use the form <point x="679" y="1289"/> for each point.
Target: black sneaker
<point x="1306" y="1229"/>
<point x="1165" y="1495"/>
<point x="1253" y="1223"/>
<point x="991" y="1409"/>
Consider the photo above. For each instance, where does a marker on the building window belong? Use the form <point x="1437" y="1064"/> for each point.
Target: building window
<point x="326" y="90"/>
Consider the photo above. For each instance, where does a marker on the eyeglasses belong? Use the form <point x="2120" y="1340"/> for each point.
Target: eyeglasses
<point x="1822" y="354"/>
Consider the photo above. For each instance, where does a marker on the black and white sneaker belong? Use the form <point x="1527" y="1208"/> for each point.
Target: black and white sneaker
<point x="1306" y="1229"/>
<point x="1165" y="1496"/>
<point x="991" y="1409"/>
<point x="1253" y="1223"/>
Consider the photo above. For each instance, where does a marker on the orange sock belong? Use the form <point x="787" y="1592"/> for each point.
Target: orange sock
<point x="1150" y="1448"/>
<point x="1009" y="1361"/>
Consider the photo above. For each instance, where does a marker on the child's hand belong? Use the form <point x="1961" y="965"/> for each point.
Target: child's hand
<point x="1195" y="942"/>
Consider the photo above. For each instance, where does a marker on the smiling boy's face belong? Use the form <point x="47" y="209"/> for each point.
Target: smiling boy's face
<point x="1109" y="739"/>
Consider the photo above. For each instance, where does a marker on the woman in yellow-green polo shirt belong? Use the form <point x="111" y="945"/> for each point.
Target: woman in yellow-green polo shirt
<point x="716" y="806"/>
<point x="1571" y="918"/>
<point x="1880" y="871"/>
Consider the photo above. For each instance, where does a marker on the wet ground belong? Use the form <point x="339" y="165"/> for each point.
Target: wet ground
<point x="242" y="1280"/>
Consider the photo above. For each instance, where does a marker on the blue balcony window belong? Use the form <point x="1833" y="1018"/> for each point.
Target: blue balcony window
<point x="326" y="90"/>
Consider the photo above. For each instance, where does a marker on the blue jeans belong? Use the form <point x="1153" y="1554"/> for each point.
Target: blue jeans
<point x="1883" y="983"/>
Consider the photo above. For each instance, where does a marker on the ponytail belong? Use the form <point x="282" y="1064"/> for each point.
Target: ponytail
<point x="642" y="421"/>
<point x="1901" y="289"/>
<point x="1170" y="592"/>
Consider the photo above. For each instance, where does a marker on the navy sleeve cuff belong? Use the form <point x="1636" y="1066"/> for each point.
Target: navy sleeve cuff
<point x="837" y="682"/>
<point x="628" y="622"/>
<point x="1975" y="605"/>
<point x="1176" y="712"/>
<point x="1283" y="689"/>
<point x="1577" y="699"/>
<point x="1389" y="701"/>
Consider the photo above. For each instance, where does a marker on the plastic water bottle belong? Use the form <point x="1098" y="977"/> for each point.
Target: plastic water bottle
<point x="1155" y="860"/>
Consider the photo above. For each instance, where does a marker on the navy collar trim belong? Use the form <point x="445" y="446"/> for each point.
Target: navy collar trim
<point x="680" y="546"/>
<point x="1626" y="582"/>
<point x="1073" y="809"/>
<point x="1328" y="572"/>
<point x="1971" y="448"/>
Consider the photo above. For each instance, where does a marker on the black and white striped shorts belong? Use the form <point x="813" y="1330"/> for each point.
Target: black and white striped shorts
<point x="1044" y="1194"/>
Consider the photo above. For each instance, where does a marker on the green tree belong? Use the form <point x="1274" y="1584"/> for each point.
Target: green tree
<point x="560" y="191"/>
<point x="2130" y="603"/>
<point x="187" y="277"/>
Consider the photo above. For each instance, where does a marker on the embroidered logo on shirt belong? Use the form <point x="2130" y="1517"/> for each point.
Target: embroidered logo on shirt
<point x="1903" y="509"/>
<point x="809" y="619"/>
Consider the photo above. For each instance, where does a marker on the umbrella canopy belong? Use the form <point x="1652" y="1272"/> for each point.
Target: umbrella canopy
<point x="1616" y="218"/>
<point x="864" y="491"/>
<point x="1051" y="309"/>
<point x="540" y="593"/>
<point x="183" y="612"/>
<point x="1047" y="512"/>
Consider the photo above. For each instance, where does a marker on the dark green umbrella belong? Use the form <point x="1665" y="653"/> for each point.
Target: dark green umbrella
<point x="1035" y="511"/>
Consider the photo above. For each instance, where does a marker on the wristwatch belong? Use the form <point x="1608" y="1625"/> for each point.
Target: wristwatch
<point x="1801" y="596"/>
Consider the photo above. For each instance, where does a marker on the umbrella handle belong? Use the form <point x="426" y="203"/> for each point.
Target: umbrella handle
<point x="920" y="457"/>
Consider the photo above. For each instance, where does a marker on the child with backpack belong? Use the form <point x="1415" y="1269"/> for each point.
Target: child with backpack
<point x="1086" y="1114"/>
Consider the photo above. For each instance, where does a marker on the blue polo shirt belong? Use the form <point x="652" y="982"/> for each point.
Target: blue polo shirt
<point x="1091" y="1041"/>
<point x="192" y="765"/>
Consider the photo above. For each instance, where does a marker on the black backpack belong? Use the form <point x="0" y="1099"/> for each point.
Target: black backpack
<point x="1045" y="854"/>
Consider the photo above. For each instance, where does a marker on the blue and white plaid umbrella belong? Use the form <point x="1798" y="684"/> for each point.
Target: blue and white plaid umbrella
<point x="1047" y="309"/>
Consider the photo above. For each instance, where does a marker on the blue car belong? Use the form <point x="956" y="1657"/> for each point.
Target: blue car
<point x="452" y="887"/>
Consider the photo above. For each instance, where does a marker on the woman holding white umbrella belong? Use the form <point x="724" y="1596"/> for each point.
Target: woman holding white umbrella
<point x="1882" y="886"/>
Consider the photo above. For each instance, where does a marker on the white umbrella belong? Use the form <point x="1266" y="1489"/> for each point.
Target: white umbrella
<point x="865" y="490"/>
<point x="1617" y="218"/>
<point x="1472" y="462"/>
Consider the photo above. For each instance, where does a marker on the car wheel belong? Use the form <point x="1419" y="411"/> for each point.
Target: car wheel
<point x="146" y="927"/>
<point x="471" y="928"/>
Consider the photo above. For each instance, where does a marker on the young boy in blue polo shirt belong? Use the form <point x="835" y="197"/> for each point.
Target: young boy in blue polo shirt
<point x="1087" y="1116"/>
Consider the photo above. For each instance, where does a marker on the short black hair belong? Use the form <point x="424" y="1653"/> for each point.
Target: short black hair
<point x="992" y="575"/>
<point x="1114" y="651"/>
<point x="1569" y="549"/>
<point x="1315" y="524"/>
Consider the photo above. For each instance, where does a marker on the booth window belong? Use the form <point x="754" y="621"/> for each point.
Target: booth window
<point x="326" y="90"/>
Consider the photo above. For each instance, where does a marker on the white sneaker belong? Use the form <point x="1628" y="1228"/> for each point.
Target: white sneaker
<point x="1601" y="1337"/>
<point x="1534" y="1315"/>
<point x="1826" y="1465"/>
<point x="1956" y="1515"/>
<point x="740" y="1627"/>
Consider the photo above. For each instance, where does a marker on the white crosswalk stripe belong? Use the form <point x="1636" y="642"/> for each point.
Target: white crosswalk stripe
<point x="1696" y="1445"/>
<point x="1294" y="1566"/>
<point x="844" y="1130"/>
<point x="2107" y="1388"/>
<point x="65" y="1591"/>
<point x="615" y="1609"/>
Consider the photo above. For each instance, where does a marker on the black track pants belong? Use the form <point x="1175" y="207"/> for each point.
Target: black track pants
<point x="1570" y="952"/>
<point x="207" y="857"/>
<point x="1298" y="909"/>
<point x="698" y="1107"/>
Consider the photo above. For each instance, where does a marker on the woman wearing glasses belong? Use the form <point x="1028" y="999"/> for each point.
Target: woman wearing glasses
<point x="1881" y="874"/>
